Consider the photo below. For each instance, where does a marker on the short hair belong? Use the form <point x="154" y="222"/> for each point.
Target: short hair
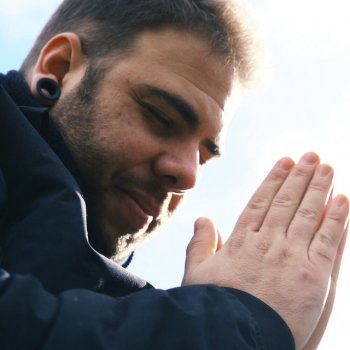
<point x="108" y="26"/>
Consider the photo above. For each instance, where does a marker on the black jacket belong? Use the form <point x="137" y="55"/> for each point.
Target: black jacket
<point x="57" y="292"/>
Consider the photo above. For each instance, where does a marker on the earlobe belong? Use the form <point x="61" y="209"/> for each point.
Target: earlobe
<point x="59" y="57"/>
<point x="48" y="90"/>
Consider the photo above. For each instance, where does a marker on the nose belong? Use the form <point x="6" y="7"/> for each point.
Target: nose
<point x="178" y="170"/>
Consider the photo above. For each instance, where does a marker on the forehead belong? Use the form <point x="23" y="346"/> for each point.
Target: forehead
<point x="182" y="64"/>
<point x="179" y="59"/>
<point x="184" y="55"/>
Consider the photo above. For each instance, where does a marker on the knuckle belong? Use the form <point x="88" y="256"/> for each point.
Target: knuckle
<point x="277" y="176"/>
<point x="323" y="253"/>
<point x="317" y="186"/>
<point x="326" y="238"/>
<point x="237" y="239"/>
<point x="244" y="220"/>
<point x="335" y="217"/>
<point x="300" y="171"/>
<point x="306" y="274"/>
<point x="285" y="254"/>
<point x="258" y="203"/>
<point x="282" y="200"/>
<point x="308" y="213"/>
<point x="263" y="246"/>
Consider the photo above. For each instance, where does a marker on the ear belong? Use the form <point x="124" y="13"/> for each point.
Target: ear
<point x="60" y="60"/>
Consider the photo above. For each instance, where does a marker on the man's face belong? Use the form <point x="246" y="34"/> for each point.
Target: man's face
<point x="141" y="137"/>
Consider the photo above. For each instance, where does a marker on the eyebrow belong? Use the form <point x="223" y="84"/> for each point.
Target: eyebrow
<point x="184" y="109"/>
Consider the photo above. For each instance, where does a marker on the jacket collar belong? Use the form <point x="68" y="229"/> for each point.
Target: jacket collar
<point x="18" y="89"/>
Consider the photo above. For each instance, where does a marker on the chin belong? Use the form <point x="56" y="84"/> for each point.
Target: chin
<point x="128" y="243"/>
<point x="118" y="243"/>
<point x="117" y="247"/>
<point x="125" y="246"/>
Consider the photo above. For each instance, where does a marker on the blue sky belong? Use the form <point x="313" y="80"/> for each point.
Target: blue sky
<point x="303" y="105"/>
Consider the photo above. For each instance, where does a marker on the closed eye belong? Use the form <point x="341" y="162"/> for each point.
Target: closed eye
<point x="157" y="115"/>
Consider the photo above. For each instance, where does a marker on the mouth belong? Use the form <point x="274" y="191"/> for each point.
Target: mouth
<point x="141" y="208"/>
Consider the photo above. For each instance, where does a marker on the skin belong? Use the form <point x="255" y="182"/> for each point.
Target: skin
<point x="286" y="246"/>
<point x="169" y="97"/>
<point x="139" y="153"/>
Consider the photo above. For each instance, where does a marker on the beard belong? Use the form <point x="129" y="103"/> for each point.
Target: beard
<point x="79" y="120"/>
<point x="118" y="245"/>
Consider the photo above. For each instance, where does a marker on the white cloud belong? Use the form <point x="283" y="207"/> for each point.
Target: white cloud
<point x="322" y="25"/>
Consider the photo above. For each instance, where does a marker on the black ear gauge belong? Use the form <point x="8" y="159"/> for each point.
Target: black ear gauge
<point x="48" y="89"/>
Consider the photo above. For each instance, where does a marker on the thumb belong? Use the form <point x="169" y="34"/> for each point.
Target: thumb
<point x="203" y="244"/>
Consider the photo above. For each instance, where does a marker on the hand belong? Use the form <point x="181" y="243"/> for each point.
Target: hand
<point x="317" y="335"/>
<point x="284" y="246"/>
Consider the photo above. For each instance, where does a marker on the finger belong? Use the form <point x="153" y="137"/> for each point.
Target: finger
<point x="291" y="193"/>
<point x="324" y="246"/>
<point x="313" y="206"/>
<point x="338" y="260"/>
<point x="254" y="214"/>
<point x="316" y="337"/>
<point x="318" y="333"/>
<point x="203" y="244"/>
<point x="219" y="245"/>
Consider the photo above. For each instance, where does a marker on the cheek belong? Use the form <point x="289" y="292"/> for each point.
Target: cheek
<point x="124" y="137"/>
<point x="117" y="138"/>
<point x="125" y="147"/>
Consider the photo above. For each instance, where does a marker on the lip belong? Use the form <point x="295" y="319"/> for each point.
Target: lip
<point x="146" y="204"/>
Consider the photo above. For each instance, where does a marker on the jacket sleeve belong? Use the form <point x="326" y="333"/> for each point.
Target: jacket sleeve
<point x="193" y="317"/>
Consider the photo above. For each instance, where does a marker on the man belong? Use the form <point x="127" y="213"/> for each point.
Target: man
<point x="116" y="107"/>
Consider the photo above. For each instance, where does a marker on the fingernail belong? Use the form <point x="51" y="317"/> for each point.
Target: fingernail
<point x="286" y="163"/>
<point x="341" y="201"/>
<point x="324" y="170"/>
<point x="310" y="158"/>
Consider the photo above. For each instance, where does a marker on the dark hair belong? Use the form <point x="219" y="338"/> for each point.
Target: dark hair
<point x="106" y="26"/>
